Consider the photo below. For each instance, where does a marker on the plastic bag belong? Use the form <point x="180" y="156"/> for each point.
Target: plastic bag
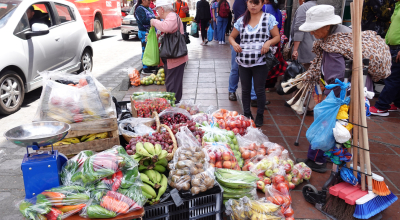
<point x="252" y="143"/>
<point x="300" y="172"/>
<point x="169" y="96"/>
<point x="231" y="120"/>
<point x="189" y="106"/>
<point x="73" y="165"/>
<point x="200" y="118"/>
<point x="190" y="169"/>
<point x="281" y="198"/>
<point x="151" y="55"/>
<point x="320" y="133"/>
<point x="136" y="126"/>
<point x="73" y="98"/>
<point x="144" y="105"/>
<point x="341" y="133"/>
<point x="210" y="33"/>
<point x="134" y="76"/>
<point x="236" y="179"/>
<point x="221" y="156"/>
<point x="172" y="111"/>
<point x="194" y="29"/>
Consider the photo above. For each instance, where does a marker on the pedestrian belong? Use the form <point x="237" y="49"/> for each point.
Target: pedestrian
<point x="239" y="8"/>
<point x="376" y="15"/>
<point x="223" y="11"/>
<point x="174" y="68"/>
<point x="272" y="7"/>
<point x="181" y="8"/>
<point x="322" y="23"/>
<point x="258" y="31"/>
<point x="391" y="92"/>
<point x="229" y="26"/>
<point x="143" y="14"/>
<point x="214" y="14"/>
<point x="303" y="42"/>
<point x="203" y="17"/>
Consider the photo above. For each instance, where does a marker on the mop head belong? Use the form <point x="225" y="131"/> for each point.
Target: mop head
<point x="371" y="204"/>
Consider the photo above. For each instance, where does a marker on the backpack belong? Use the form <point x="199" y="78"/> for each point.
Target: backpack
<point x="224" y="10"/>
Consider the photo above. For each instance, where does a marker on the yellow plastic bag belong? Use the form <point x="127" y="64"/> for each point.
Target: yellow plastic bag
<point x="343" y="112"/>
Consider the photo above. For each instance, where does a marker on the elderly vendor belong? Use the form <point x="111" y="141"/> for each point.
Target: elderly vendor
<point x="322" y="23"/>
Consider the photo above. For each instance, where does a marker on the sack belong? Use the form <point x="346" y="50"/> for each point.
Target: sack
<point x="287" y="49"/>
<point x="193" y="29"/>
<point x="174" y="45"/>
<point x="210" y="33"/>
<point x="151" y="55"/>
<point x="224" y="10"/>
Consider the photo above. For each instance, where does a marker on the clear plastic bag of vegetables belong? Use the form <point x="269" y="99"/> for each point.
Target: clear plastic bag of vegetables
<point x="190" y="169"/>
<point x="246" y="208"/>
<point x="300" y="172"/>
<point x="73" y="165"/>
<point x="134" y="127"/>
<point x="221" y="156"/>
<point x="253" y="140"/>
<point x="201" y="118"/>
<point x="56" y="203"/>
<point x="189" y="106"/>
<point x="280" y="196"/>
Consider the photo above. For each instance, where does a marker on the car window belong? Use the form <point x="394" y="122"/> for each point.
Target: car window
<point x="64" y="13"/>
<point x="7" y="8"/>
<point x="42" y="15"/>
<point x="22" y="25"/>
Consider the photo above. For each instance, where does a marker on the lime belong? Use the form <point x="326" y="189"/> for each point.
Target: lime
<point x="151" y="82"/>
<point x="158" y="83"/>
<point x="162" y="82"/>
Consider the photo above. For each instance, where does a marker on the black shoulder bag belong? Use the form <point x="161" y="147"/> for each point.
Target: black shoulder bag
<point x="174" y="44"/>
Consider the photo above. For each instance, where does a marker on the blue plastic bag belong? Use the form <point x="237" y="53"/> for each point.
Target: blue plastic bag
<point x="210" y="33"/>
<point x="320" y="133"/>
<point x="193" y="29"/>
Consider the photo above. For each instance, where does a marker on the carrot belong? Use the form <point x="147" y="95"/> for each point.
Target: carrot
<point x="55" y="198"/>
<point x="71" y="84"/>
<point x="69" y="208"/>
<point x="223" y="110"/>
<point x="114" y="205"/>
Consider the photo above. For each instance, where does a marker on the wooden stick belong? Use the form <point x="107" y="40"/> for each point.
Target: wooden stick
<point x="351" y="116"/>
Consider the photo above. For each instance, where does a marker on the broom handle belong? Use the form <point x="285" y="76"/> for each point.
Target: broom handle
<point x="355" y="90"/>
<point x="351" y="109"/>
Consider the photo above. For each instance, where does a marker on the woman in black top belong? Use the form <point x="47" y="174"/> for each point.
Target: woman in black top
<point x="203" y="16"/>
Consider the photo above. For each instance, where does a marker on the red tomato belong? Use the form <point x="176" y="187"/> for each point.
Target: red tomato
<point x="289" y="218"/>
<point x="289" y="212"/>
<point x="282" y="187"/>
<point x="241" y="117"/>
<point x="278" y="200"/>
<point x="241" y="131"/>
<point x="248" y="123"/>
<point x="286" y="201"/>
<point x="232" y="124"/>
<point x="236" y="131"/>
<point x="222" y="124"/>
<point x="278" y="179"/>
<point x="244" y="124"/>
<point x="238" y="123"/>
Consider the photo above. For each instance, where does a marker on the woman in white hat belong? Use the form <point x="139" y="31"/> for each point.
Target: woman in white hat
<point x="174" y="67"/>
<point x="329" y="62"/>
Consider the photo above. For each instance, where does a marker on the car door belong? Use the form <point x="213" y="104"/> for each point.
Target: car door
<point x="46" y="52"/>
<point x="69" y="31"/>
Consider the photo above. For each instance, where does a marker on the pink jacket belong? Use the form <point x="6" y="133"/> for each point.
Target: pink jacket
<point x="170" y="25"/>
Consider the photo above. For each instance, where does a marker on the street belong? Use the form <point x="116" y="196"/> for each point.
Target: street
<point x="112" y="57"/>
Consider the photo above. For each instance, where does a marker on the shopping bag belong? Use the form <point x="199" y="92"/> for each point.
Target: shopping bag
<point x="210" y="33"/>
<point x="193" y="29"/>
<point x="320" y="134"/>
<point x="151" y="55"/>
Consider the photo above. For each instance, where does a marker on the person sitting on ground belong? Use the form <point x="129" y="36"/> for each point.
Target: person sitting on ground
<point x="174" y="67"/>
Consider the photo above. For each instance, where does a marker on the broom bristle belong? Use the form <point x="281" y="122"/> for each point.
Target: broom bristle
<point x="374" y="206"/>
<point x="380" y="188"/>
<point x="348" y="213"/>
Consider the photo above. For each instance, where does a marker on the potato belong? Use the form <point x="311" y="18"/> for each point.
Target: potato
<point x="172" y="184"/>
<point x="175" y="178"/>
<point x="180" y="173"/>
<point x="203" y="188"/>
<point x="202" y="155"/>
<point x="199" y="165"/>
<point x="182" y="158"/>
<point x="186" y="186"/>
<point x="200" y="170"/>
<point x="194" y="171"/>
<point x="209" y="182"/>
<point x="196" y="182"/>
<point x="195" y="190"/>
<point x="186" y="178"/>
<point x="181" y="164"/>
<point x="186" y="171"/>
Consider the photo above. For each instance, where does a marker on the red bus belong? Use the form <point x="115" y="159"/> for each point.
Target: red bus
<point x="99" y="15"/>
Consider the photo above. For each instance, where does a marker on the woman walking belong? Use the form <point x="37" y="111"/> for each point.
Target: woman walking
<point x="143" y="14"/>
<point x="174" y="67"/>
<point x="214" y="7"/>
<point x="203" y="16"/>
<point x="223" y="11"/>
<point x="255" y="29"/>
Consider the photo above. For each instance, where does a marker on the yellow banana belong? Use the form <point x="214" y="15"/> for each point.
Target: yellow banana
<point x="59" y="143"/>
<point x="72" y="140"/>
<point x="263" y="207"/>
<point x="85" y="137"/>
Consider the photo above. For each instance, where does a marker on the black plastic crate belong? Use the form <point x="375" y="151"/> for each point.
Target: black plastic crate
<point x="204" y="206"/>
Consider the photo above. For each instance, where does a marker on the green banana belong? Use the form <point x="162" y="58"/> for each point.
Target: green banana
<point x="152" y="175"/>
<point x="159" y="177"/>
<point x="235" y="183"/>
<point x="142" y="167"/>
<point x="146" y="179"/>
<point x="149" y="190"/>
<point x="159" y="168"/>
<point x="163" y="162"/>
<point x="137" y="157"/>
<point x="157" y="149"/>
<point x="164" y="184"/>
<point x="150" y="148"/>
<point x="163" y="154"/>
<point x="140" y="150"/>
<point x="146" y="162"/>
<point x="147" y="195"/>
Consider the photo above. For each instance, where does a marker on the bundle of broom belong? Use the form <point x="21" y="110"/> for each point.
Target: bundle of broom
<point x="348" y="201"/>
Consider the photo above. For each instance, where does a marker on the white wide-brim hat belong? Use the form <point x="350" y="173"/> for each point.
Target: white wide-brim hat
<point x="160" y="3"/>
<point x="320" y="16"/>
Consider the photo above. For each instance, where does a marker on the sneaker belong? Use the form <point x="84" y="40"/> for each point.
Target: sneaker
<point x="393" y="108"/>
<point x="314" y="167"/>
<point x="202" y="44"/>
<point x="259" y="120"/>
<point x="147" y="71"/>
<point x="205" y="43"/>
<point x="232" y="96"/>
<point x="378" y="112"/>
<point x="220" y="42"/>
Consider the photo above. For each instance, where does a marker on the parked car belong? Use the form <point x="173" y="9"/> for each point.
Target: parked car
<point x="125" y="11"/>
<point x="55" y="38"/>
<point x="129" y="25"/>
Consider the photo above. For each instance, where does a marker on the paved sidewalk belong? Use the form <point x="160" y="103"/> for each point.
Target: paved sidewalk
<point x="206" y="81"/>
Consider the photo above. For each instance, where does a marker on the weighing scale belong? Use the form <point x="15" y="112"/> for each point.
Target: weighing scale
<point x="41" y="169"/>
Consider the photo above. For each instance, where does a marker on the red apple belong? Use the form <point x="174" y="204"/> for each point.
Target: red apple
<point x="227" y="164"/>
<point x="278" y="179"/>
<point x="267" y="181"/>
<point x="291" y="186"/>
<point x="218" y="156"/>
<point x="260" y="185"/>
<point x="212" y="157"/>
<point x="226" y="156"/>
<point x="245" y="167"/>
<point x="283" y="188"/>
<point x="218" y="164"/>
<point x="288" y="168"/>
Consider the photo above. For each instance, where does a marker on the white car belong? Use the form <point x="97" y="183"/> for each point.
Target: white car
<point x="54" y="38"/>
<point x="129" y="25"/>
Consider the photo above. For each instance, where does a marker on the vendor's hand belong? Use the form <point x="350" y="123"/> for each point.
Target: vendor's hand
<point x="158" y="17"/>
<point x="295" y="55"/>
<point x="398" y="57"/>
<point x="237" y="48"/>
<point x="265" y="48"/>
<point x="146" y="37"/>
<point x="215" y="20"/>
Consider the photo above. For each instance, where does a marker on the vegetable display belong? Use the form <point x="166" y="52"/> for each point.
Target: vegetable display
<point x="231" y="120"/>
<point x="169" y="96"/>
<point x="144" y="107"/>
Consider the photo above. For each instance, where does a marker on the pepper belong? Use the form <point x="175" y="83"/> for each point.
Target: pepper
<point x="129" y="177"/>
<point x="54" y="214"/>
<point x="77" y="176"/>
<point x="96" y="211"/>
<point x="56" y="198"/>
<point x="117" y="181"/>
<point x="97" y="195"/>
<point x="71" y="208"/>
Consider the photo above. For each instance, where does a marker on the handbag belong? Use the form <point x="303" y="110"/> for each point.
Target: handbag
<point x="287" y="49"/>
<point x="271" y="60"/>
<point x="174" y="44"/>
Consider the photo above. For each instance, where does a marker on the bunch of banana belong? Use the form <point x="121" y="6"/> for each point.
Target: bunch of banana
<point x="66" y="141"/>
<point x="149" y="151"/>
<point x="259" y="216"/>
<point x="150" y="179"/>
<point x="147" y="164"/>
<point x="263" y="207"/>
<point x="91" y="137"/>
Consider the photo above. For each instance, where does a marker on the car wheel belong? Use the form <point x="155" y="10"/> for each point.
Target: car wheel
<point x="97" y="33"/>
<point x="125" y="36"/>
<point x="12" y="92"/>
<point x="86" y="61"/>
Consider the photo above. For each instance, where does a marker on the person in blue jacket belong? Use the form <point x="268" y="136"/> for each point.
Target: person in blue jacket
<point x="272" y="7"/>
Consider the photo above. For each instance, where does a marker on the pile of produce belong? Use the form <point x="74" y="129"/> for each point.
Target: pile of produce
<point x="100" y="185"/>
<point x="173" y="116"/>
<point x="278" y="193"/>
<point x="158" y="79"/>
<point x="232" y="121"/>
<point x="154" y="185"/>
<point x="146" y="107"/>
<point x="161" y="138"/>
<point x="169" y="96"/>
<point x="236" y="184"/>
<point x="189" y="106"/>
<point x="84" y="138"/>
<point x="189" y="170"/>
<point x="134" y="77"/>
<point x="245" y="208"/>
<point x="197" y="132"/>
<point x="149" y="152"/>
<point x="221" y="156"/>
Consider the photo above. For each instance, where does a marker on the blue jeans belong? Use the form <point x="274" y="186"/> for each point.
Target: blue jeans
<point x="142" y="37"/>
<point x="215" y="30"/>
<point x="221" y="26"/>
<point x="234" y="76"/>
<point x="391" y="91"/>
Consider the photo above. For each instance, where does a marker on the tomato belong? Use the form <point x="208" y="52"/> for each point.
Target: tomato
<point x="222" y="124"/>
<point x="241" y="117"/>
<point x="244" y="124"/>
<point x="234" y="113"/>
<point x="278" y="200"/>
<point x="289" y="218"/>
<point x="228" y="128"/>
<point x="232" y="124"/>
<point x="286" y="201"/>
<point x="238" y="123"/>
<point x="248" y="123"/>
<point x="289" y="212"/>
<point x="278" y="179"/>
<point x="236" y="131"/>
<point x="282" y="187"/>
<point x="241" y="131"/>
